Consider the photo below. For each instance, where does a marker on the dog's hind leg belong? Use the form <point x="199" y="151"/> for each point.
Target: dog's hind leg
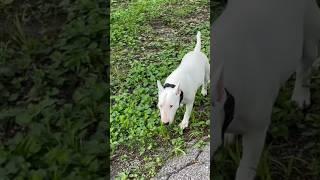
<point x="301" y="92"/>
<point x="218" y="113"/>
<point x="206" y="80"/>
<point x="216" y="133"/>
<point x="218" y="118"/>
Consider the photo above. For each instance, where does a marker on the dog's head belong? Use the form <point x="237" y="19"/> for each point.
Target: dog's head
<point x="168" y="102"/>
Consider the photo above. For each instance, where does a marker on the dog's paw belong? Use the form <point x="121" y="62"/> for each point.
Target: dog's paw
<point x="204" y="92"/>
<point x="183" y="124"/>
<point x="301" y="98"/>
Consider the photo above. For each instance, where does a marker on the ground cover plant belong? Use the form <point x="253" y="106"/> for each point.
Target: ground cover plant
<point x="52" y="89"/>
<point x="292" y="149"/>
<point x="148" y="41"/>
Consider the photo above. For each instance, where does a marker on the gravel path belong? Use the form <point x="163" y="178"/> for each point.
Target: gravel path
<point x="195" y="165"/>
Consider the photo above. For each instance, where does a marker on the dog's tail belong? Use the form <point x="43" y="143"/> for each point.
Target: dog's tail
<point x="198" y="45"/>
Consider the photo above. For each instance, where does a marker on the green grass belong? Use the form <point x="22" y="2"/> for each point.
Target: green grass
<point x="292" y="151"/>
<point x="149" y="39"/>
<point x="53" y="92"/>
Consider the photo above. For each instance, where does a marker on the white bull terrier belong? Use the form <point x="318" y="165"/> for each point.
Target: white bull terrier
<point x="181" y="85"/>
<point x="256" y="46"/>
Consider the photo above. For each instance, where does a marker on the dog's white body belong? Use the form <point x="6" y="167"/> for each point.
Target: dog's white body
<point x="193" y="71"/>
<point x="252" y="59"/>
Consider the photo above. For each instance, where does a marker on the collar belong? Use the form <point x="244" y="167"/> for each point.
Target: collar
<point x="172" y="86"/>
<point x="228" y="112"/>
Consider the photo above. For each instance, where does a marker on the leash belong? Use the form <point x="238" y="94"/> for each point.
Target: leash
<point x="172" y="86"/>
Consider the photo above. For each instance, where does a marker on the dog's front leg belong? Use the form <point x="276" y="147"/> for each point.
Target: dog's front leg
<point x="217" y="123"/>
<point x="186" y="117"/>
<point x="301" y="92"/>
<point x="252" y="147"/>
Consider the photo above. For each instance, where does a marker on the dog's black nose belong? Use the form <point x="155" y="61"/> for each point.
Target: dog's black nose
<point x="166" y="123"/>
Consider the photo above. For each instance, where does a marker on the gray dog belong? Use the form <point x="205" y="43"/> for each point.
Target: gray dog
<point x="256" y="46"/>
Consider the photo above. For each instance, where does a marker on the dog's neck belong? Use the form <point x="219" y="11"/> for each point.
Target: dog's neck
<point x="172" y="86"/>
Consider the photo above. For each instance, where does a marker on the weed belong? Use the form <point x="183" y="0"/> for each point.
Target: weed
<point x="53" y="95"/>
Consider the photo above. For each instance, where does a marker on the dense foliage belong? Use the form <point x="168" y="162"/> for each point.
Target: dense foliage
<point x="53" y="92"/>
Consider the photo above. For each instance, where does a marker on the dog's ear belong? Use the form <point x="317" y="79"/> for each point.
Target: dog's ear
<point x="160" y="88"/>
<point x="177" y="89"/>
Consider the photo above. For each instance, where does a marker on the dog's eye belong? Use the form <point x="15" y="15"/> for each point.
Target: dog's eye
<point x="171" y="106"/>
